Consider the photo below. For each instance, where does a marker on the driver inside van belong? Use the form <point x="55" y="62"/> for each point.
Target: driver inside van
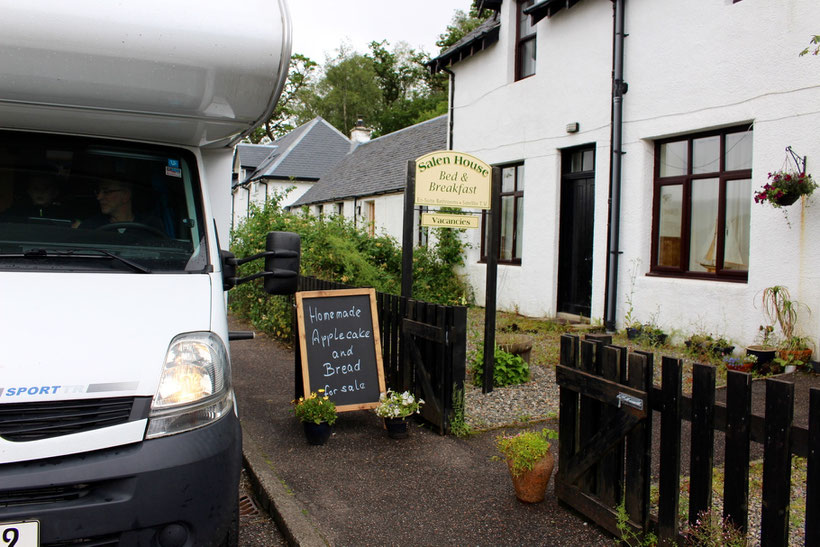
<point x="115" y="199"/>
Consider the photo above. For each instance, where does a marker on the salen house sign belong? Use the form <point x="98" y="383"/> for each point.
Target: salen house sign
<point x="452" y="179"/>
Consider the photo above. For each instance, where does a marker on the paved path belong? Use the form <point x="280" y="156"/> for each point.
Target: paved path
<point x="363" y="488"/>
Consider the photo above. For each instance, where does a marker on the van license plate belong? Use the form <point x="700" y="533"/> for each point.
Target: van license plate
<point x="20" y="534"/>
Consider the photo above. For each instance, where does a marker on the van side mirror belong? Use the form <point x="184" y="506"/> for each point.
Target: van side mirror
<point x="282" y="260"/>
<point x="284" y="263"/>
<point x="228" y="269"/>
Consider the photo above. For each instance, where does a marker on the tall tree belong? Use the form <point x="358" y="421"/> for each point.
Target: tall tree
<point x="349" y="89"/>
<point x="461" y="24"/>
<point x="285" y="117"/>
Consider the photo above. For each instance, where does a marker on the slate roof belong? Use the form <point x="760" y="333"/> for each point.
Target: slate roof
<point x="306" y="153"/>
<point x="480" y="38"/>
<point x="378" y="166"/>
<point x="251" y="155"/>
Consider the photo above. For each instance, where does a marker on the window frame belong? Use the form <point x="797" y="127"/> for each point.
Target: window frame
<point x="520" y="40"/>
<point x="517" y="193"/>
<point x="685" y="181"/>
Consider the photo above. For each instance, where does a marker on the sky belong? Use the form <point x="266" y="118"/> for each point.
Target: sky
<point x="320" y="26"/>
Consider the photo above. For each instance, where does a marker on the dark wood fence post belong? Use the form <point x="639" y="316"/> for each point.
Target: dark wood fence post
<point x="738" y="434"/>
<point x="669" y="481"/>
<point x="639" y="445"/>
<point x="492" y="246"/>
<point x="456" y="356"/>
<point x="567" y="406"/>
<point x="407" y="231"/>
<point x="701" y="455"/>
<point x="590" y="411"/>
<point x="813" y="474"/>
<point x="611" y="468"/>
<point x="777" y="463"/>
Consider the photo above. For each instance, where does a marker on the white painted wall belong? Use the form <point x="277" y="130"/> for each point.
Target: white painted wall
<point x="292" y="191"/>
<point x="691" y="66"/>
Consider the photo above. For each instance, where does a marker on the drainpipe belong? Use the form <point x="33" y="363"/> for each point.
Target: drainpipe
<point x="619" y="87"/>
<point x="452" y="108"/>
<point x="233" y="207"/>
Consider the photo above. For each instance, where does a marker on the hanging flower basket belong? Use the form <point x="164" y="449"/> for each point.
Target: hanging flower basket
<point x="785" y="187"/>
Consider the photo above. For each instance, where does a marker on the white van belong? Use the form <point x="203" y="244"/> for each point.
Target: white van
<point x="118" y="424"/>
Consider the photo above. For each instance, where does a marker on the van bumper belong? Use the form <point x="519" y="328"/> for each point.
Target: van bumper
<point x="179" y="491"/>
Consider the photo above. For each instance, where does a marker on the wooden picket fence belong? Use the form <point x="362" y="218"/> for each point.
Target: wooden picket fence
<point x="608" y="408"/>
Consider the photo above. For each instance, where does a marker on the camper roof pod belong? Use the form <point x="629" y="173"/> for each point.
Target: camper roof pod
<point x="125" y="69"/>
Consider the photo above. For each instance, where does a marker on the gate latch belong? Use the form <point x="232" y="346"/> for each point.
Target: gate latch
<point x="629" y="400"/>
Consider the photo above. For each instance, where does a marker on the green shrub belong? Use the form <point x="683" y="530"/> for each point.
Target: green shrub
<point x="509" y="369"/>
<point x="335" y="249"/>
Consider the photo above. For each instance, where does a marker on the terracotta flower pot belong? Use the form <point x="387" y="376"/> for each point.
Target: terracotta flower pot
<point x="803" y="355"/>
<point x="530" y="486"/>
<point x="741" y="367"/>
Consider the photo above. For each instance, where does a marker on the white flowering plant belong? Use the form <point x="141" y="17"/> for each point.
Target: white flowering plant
<point x="398" y="405"/>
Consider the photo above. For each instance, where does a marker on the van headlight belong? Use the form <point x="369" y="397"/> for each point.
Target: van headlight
<point x="195" y="387"/>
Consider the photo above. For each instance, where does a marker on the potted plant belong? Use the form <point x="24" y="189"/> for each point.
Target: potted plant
<point x="794" y="352"/>
<point x="317" y="413"/>
<point x="529" y="461"/>
<point x="785" y="187"/>
<point x="653" y="334"/>
<point x="779" y="307"/>
<point x="743" y="364"/>
<point x="766" y="350"/>
<point x="394" y="407"/>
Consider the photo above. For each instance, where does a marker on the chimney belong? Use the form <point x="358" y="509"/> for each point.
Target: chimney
<point x="359" y="134"/>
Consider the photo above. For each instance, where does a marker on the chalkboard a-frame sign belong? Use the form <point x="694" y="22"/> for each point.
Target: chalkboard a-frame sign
<point x="341" y="347"/>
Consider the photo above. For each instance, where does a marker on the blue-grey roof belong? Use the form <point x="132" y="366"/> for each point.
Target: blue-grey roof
<point x="306" y="153"/>
<point x="378" y="166"/>
<point x="251" y="155"/>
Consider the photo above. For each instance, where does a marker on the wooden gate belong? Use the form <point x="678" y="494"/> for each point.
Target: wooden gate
<point x="433" y="342"/>
<point x="606" y="444"/>
<point x="604" y="430"/>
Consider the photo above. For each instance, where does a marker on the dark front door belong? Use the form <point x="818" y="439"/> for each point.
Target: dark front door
<point x="575" y="237"/>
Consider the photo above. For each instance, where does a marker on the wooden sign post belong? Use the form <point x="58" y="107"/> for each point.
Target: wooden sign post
<point x="341" y="347"/>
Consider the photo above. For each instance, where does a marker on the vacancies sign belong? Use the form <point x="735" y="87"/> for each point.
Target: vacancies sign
<point x="452" y="179"/>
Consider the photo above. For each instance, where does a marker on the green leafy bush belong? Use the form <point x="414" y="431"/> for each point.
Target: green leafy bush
<point x="509" y="369"/>
<point x="334" y="249"/>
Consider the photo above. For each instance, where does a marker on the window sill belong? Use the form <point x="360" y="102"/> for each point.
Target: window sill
<point x="503" y="262"/>
<point x="739" y="278"/>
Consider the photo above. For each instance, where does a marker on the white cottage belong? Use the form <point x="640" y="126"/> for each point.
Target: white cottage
<point x="671" y="112"/>
<point x="367" y="186"/>
<point x="291" y="165"/>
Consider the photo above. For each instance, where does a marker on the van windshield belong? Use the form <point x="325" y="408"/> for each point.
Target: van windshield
<point x="84" y="204"/>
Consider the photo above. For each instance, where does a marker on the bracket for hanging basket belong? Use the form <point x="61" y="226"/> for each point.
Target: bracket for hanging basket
<point x="799" y="162"/>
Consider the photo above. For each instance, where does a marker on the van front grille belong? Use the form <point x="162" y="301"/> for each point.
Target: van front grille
<point x="50" y="494"/>
<point x="22" y="422"/>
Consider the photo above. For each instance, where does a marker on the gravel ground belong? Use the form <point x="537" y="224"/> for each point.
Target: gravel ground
<point x="534" y="401"/>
